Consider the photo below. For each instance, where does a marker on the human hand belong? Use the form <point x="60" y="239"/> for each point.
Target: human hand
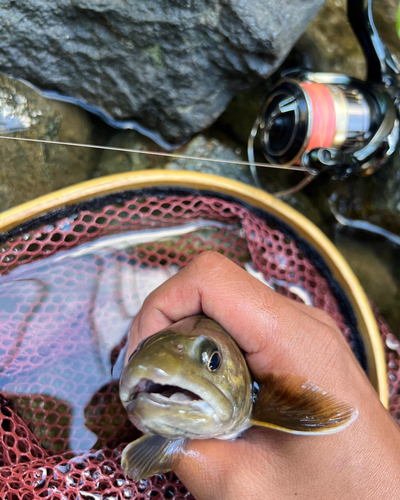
<point x="278" y="334"/>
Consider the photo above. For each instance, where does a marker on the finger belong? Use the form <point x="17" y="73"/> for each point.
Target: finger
<point x="265" y="324"/>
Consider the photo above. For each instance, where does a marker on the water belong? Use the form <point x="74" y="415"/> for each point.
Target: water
<point x="64" y="320"/>
<point x="20" y="122"/>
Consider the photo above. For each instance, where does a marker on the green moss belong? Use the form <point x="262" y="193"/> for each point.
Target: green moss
<point x="156" y="54"/>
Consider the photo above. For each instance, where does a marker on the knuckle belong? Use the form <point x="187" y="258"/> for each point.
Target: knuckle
<point x="331" y="323"/>
<point x="148" y="302"/>
<point x="324" y="317"/>
<point x="209" y="259"/>
<point x="208" y="264"/>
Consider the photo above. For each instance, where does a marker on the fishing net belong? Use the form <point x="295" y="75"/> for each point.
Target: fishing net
<point x="70" y="283"/>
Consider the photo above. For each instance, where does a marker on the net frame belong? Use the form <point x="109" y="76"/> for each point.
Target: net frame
<point x="27" y="479"/>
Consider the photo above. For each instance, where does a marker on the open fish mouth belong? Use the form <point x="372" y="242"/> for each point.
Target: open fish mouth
<point x="165" y="391"/>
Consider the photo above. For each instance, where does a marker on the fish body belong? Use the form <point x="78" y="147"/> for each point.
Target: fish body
<point x="191" y="381"/>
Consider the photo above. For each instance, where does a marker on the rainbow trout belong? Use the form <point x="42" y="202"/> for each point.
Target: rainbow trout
<point x="191" y="381"/>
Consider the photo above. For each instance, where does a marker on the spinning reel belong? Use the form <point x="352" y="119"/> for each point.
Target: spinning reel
<point x="332" y="122"/>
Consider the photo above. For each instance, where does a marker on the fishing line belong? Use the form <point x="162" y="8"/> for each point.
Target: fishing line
<point x="154" y="153"/>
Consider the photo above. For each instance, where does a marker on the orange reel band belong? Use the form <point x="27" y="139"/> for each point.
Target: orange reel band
<point x="323" y="126"/>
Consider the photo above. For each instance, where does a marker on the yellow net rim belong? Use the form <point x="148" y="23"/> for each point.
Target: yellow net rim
<point x="257" y="198"/>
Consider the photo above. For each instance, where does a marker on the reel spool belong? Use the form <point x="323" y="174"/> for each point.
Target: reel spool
<point x="328" y="121"/>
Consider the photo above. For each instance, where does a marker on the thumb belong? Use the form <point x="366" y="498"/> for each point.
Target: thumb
<point x="215" y="470"/>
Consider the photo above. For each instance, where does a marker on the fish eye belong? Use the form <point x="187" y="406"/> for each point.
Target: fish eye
<point x="214" y="361"/>
<point x="210" y="354"/>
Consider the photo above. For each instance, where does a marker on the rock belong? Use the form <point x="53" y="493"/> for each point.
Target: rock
<point x="113" y="162"/>
<point x="376" y="266"/>
<point x="202" y="145"/>
<point x="239" y="117"/>
<point x="29" y="170"/>
<point x="173" y="66"/>
<point x="331" y="44"/>
<point x="385" y="12"/>
<point x="207" y="146"/>
<point x="375" y="199"/>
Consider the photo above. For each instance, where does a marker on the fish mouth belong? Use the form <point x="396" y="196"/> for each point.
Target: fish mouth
<point x="163" y="391"/>
<point x="180" y="393"/>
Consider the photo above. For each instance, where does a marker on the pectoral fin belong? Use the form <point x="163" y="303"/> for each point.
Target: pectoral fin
<point x="150" y="455"/>
<point x="293" y="404"/>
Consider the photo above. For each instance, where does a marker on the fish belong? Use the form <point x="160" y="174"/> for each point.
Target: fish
<point x="191" y="381"/>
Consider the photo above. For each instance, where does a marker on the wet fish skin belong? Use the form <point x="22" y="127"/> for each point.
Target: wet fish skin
<point x="191" y="381"/>
<point x="180" y="357"/>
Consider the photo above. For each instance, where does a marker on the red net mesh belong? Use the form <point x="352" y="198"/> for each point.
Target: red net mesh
<point x="64" y="315"/>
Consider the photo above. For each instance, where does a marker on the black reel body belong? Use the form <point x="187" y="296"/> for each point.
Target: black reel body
<point x="329" y="121"/>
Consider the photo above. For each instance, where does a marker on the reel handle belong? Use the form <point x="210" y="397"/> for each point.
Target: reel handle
<point x="382" y="65"/>
<point x="319" y="160"/>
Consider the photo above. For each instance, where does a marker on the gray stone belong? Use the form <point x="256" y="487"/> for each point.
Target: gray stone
<point x="376" y="266"/>
<point x="29" y="170"/>
<point x="207" y="146"/>
<point x="174" y="66"/>
<point x="239" y="117"/>
<point x="375" y="199"/>
<point x="202" y="145"/>
<point x="113" y="162"/>
<point x="331" y="45"/>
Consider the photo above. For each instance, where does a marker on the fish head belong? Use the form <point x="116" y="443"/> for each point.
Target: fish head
<point x="190" y="380"/>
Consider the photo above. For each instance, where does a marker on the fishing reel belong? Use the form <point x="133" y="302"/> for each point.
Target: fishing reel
<point x="318" y="122"/>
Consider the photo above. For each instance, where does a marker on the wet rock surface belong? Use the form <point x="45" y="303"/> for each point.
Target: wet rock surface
<point x="331" y="45"/>
<point x="114" y="162"/>
<point x="30" y="170"/>
<point x="375" y="263"/>
<point x="174" y="66"/>
<point x="214" y="147"/>
<point x="203" y="145"/>
<point x="375" y="199"/>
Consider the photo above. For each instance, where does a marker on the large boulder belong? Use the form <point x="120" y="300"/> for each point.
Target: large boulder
<point x="174" y="66"/>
